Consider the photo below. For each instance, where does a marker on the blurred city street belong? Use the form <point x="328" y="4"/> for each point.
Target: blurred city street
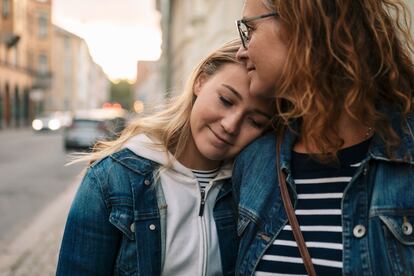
<point x="35" y="193"/>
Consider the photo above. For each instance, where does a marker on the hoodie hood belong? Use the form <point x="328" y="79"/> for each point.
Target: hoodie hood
<point x="153" y="150"/>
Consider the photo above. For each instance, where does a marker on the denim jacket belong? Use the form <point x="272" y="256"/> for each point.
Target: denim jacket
<point x="116" y="225"/>
<point x="377" y="205"/>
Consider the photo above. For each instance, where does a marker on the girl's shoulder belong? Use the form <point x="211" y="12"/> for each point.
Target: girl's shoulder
<point x="262" y="147"/>
<point x="259" y="155"/>
<point x="120" y="162"/>
<point x="115" y="174"/>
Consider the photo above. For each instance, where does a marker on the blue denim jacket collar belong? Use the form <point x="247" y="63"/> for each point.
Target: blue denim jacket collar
<point x="129" y="159"/>
<point x="261" y="212"/>
<point x="403" y="153"/>
<point x="145" y="167"/>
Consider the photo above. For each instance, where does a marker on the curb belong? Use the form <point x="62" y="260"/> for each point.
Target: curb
<point x="49" y="219"/>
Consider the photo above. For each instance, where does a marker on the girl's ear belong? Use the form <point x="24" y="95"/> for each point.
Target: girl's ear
<point x="199" y="82"/>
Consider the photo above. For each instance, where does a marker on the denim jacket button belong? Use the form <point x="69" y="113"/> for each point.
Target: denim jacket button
<point x="407" y="228"/>
<point x="147" y="182"/>
<point x="152" y="227"/>
<point x="132" y="227"/>
<point x="359" y="231"/>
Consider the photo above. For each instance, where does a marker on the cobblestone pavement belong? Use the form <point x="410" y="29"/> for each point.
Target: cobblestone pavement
<point x="35" y="252"/>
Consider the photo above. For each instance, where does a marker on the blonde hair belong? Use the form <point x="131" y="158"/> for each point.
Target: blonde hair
<point x="171" y="126"/>
<point x="346" y="55"/>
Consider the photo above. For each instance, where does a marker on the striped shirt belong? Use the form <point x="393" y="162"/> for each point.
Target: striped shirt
<point x="319" y="188"/>
<point x="203" y="178"/>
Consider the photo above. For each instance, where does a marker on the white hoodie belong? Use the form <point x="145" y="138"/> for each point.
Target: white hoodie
<point x="192" y="246"/>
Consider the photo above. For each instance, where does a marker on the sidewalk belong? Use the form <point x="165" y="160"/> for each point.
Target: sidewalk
<point x="35" y="251"/>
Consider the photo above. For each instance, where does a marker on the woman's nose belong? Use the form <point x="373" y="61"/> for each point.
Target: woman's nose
<point x="241" y="54"/>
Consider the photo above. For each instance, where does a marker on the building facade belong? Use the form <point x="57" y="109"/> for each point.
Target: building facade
<point x="25" y="50"/>
<point x="78" y="82"/>
<point x="192" y="29"/>
<point x="42" y="67"/>
<point x="39" y="51"/>
<point x="147" y="88"/>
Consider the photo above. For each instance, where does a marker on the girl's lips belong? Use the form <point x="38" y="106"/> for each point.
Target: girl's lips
<point x="221" y="138"/>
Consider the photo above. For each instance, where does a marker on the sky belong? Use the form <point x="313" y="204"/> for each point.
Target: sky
<point x="117" y="32"/>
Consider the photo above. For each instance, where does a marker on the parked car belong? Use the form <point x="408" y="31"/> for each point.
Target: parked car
<point x="51" y="121"/>
<point x="88" y="127"/>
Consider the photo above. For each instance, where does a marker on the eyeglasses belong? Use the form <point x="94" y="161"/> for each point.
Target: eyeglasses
<point x="245" y="30"/>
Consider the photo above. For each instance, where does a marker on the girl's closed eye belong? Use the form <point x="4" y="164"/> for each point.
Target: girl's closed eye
<point x="226" y="102"/>
<point x="256" y="123"/>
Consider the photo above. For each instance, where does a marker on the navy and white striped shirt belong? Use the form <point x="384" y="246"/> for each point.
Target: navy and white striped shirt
<point x="320" y="188"/>
<point x="204" y="177"/>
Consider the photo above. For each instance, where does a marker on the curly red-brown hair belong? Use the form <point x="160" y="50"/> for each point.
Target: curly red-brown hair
<point x="345" y="55"/>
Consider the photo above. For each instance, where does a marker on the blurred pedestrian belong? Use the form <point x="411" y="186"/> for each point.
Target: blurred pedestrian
<point x="158" y="200"/>
<point x="342" y="75"/>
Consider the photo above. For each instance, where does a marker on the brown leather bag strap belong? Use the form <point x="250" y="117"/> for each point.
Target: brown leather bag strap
<point x="290" y="211"/>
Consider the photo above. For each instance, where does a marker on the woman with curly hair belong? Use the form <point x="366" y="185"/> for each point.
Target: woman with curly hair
<point x="332" y="194"/>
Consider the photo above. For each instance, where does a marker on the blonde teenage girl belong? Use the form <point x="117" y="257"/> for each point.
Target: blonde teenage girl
<point x="158" y="200"/>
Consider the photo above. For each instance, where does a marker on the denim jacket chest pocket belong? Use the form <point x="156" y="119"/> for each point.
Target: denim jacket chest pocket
<point x="123" y="219"/>
<point x="393" y="205"/>
<point x="401" y="227"/>
<point x="398" y="233"/>
<point x="140" y="248"/>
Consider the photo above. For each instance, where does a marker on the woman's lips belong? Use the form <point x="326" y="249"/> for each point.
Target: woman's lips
<point x="250" y="67"/>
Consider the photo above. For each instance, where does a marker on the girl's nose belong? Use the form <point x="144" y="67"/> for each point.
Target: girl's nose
<point x="231" y="123"/>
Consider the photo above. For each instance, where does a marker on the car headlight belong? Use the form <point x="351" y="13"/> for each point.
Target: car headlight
<point x="54" y="124"/>
<point x="37" y="124"/>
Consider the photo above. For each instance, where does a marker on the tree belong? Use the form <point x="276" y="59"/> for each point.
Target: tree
<point x="122" y="92"/>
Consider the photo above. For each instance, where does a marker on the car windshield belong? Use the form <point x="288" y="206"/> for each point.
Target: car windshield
<point x="85" y="123"/>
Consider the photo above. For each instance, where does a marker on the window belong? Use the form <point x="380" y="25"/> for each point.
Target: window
<point x="42" y="65"/>
<point x="43" y="24"/>
<point x="6" y="8"/>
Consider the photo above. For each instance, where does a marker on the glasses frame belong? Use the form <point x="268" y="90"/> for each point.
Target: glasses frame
<point x="245" y="39"/>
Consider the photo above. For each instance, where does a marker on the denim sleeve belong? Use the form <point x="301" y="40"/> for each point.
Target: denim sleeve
<point x="90" y="242"/>
<point x="237" y="176"/>
<point x="254" y="162"/>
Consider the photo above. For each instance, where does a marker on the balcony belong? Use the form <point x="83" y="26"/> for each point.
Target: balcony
<point x="9" y="39"/>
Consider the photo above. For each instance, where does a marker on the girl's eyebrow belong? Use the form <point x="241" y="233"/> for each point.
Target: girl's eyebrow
<point x="232" y="89"/>
<point x="239" y="96"/>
